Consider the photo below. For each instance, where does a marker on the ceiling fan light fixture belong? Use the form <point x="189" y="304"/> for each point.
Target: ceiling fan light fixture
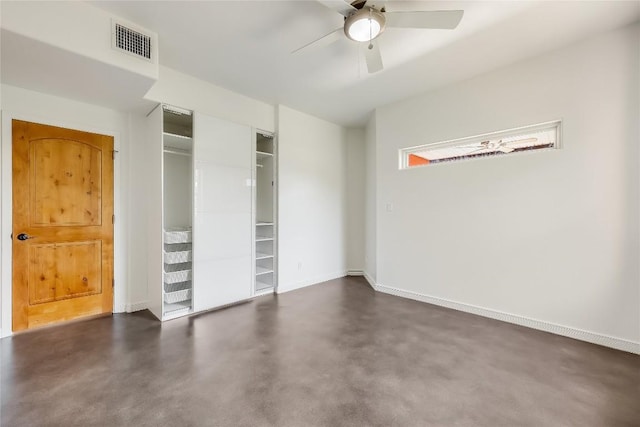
<point x="364" y="25"/>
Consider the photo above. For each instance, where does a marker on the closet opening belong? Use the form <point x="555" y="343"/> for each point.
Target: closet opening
<point x="177" y="139"/>
<point x="265" y="214"/>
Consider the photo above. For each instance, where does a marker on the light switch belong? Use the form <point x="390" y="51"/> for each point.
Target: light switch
<point x="389" y="207"/>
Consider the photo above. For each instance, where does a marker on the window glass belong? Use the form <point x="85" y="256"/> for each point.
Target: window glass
<point x="528" y="138"/>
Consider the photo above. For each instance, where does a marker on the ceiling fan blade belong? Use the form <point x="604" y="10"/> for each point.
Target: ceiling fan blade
<point x="435" y="19"/>
<point x="340" y="6"/>
<point x="376" y="4"/>
<point x="475" y="151"/>
<point x="522" y="141"/>
<point x="325" y="40"/>
<point x="506" y="149"/>
<point x="374" y="58"/>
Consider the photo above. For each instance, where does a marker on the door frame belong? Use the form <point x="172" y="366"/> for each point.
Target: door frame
<point x="6" y="213"/>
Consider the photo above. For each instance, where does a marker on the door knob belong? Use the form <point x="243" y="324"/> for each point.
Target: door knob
<point x="24" y="236"/>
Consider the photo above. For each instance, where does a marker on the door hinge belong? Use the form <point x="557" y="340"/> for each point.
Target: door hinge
<point x="113" y="154"/>
<point x="113" y="219"/>
<point x="113" y="283"/>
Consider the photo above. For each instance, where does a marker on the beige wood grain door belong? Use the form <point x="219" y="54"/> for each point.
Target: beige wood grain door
<point x="62" y="224"/>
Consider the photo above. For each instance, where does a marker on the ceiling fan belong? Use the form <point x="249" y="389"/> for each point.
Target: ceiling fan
<point x="492" y="146"/>
<point x="365" y="20"/>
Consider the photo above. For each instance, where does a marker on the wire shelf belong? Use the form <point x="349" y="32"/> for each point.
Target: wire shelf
<point x="177" y="257"/>
<point x="179" y="286"/>
<point x="177" y="236"/>
<point x="177" y="309"/>
<point x="177" y="276"/>
<point x="177" y="296"/>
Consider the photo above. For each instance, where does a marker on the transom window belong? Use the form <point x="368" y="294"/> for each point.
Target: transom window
<point x="528" y="138"/>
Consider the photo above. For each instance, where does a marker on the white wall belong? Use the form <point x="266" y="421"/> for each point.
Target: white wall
<point x="370" y="217"/>
<point x="65" y="40"/>
<point x="185" y="91"/>
<point x="74" y="26"/>
<point x="177" y="180"/>
<point x="312" y="205"/>
<point x="37" y="107"/>
<point x="355" y="200"/>
<point x="139" y="171"/>
<point x="552" y="235"/>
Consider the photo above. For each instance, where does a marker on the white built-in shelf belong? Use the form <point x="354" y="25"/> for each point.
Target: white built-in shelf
<point x="179" y="142"/>
<point x="263" y="289"/>
<point x="260" y="255"/>
<point x="261" y="270"/>
<point x="263" y="154"/>
<point x="176" y="309"/>
<point x="262" y="223"/>
<point x="176" y="313"/>
<point x="176" y="151"/>
<point x="168" y="136"/>
<point x="261" y="286"/>
<point x="263" y="238"/>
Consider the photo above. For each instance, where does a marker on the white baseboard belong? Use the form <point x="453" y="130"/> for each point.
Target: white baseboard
<point x="370" y="280"/>
<point x="355" y="273"/>
<point x="579" y="334"/>
<point x="137" y="306"/>
<point x="288" y="287"/>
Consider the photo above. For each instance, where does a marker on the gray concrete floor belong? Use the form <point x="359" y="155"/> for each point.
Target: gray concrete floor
<point x="335" y="354"/>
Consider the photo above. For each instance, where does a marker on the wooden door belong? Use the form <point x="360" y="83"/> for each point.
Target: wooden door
<point x="62" y="224"/>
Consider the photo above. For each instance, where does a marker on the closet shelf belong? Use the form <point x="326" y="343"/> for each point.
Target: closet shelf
<point x="261" y="224"/>
<point x="177" y="276"/>
<point x="175" y="287"/>
<point x="263" y="154"/>
<point x="261" y="286"/>
<point x="177" y="235"/>
<point x="177" y="296"/>
<point x="177" y="309"/>
<point x="176" y="136"/>
<point x="177" y="152"/>
<point x="178" y="257"/>
<point x="261" y="270"/>
<point x="263" y="238"/>
<point x="260" y="255"/>
<point x="179" y="142"/>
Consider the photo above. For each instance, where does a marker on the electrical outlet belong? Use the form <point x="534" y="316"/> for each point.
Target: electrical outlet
<point x="299" y="265"/>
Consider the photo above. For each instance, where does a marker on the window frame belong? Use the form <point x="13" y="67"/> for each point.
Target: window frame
<point x="403" y="153"/>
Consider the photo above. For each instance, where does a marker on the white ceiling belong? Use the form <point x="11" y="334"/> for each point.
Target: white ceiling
<point x="245" y="46"/>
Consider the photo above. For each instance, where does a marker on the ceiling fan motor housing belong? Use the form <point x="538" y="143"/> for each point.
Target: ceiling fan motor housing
<point x="364" y="25"/>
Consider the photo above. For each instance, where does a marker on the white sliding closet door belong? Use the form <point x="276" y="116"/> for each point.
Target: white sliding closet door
<point x="222" y="238"/>
<point x="151" y="170"/>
